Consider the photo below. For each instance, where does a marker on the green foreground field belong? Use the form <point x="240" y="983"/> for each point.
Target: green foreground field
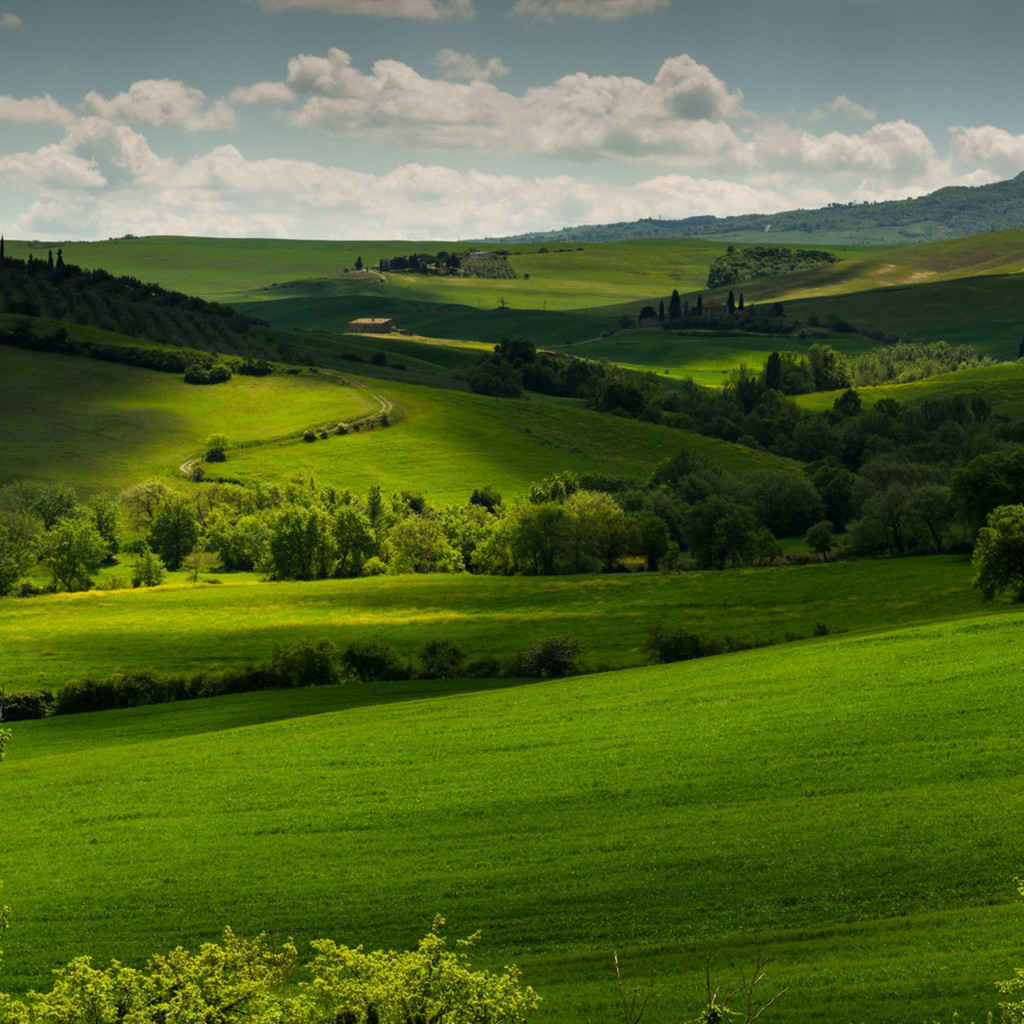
<point x="843" y="806"/>
<point x="182" y="628"/>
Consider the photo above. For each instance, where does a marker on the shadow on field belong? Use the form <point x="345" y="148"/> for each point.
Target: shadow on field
<point x="68" y="733"/>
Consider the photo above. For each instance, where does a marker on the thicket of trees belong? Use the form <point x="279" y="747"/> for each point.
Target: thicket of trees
<point x="735" y="266"/>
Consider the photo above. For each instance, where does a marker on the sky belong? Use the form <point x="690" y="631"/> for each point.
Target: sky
<point x="443" y="119"/>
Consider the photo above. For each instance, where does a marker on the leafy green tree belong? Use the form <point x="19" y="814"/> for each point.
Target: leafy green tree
<point x="149" y="570"/>
<point x="104" y="514"/>
<point x="216" y="448"/>
<point x="174" y="531"/>
<point x="835" y="483"/>
<point x="773" y="372"/>
<point x="821" y="538"/>
<point x="999" y="553"/>
<point x="143" y="501"/>
<point x="847" y="404"/>
<point x="654" y="540"/>
<point x="488" y="498"/>
<point x="300" y="543"/>
<point x="988" y="481"/>
<point x="354" y="541"/>
<point x="540" y="538"/>
<point x="787" y="503"/>
<point x="720" y="533"/>
<point x="73" y="550"/>
<point x="54" y="502"/>
<point x="16" y="558"/>
<point x="931" y="508"/>
<point x="241" y="543"/>
<point x="419" y="544"/>
<point x="600" y="529"/>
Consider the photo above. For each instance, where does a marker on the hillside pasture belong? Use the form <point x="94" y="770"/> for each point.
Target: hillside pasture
<point x="841" y="806"/>
<point x="186" y="628"/>
<point x="103" y="426"/>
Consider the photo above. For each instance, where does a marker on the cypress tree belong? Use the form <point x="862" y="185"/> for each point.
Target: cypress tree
<point x="674" y="310"/>
<point x="51" y="259"/>
<point x="741" y="302"/>
<point x="700" y="305"/>
<point x="773" y="372"/>
<point x="2" y="257"/>
<point x="731" y="303"/>
<point x="686" y="308"/>
<point x="661" y="311"/>
<point x="60" y="257"/>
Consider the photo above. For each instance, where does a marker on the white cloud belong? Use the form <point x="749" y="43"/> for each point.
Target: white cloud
<point x="677" y="117"/>
<point x="262" y="92"/>
<point x="842" y="104"/>
<point x="163" y="102"/>
<point x="605" y="10"/>
<point x="456" y="66"/>
<point x="8" y="20"/>
<point x="995" y="148"/>
<point x="35" y="110"/>
<point x="420" y="10"/>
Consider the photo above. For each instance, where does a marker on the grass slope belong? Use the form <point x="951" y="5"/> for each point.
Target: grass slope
<point x="1002" y="385"/>
<point x="45" y="641"/>
<point x="106" y="425"/>
<point x="841" y="805"/>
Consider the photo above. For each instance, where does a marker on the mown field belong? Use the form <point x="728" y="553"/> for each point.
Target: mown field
<point x="185" y="627"/>
<point x="844" y="806"/>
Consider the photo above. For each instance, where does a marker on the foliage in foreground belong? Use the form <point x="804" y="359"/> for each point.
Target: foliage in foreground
<point x="251" y="980"/>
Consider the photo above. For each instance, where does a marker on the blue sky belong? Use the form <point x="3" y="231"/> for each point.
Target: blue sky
<point x="455" y="118"/>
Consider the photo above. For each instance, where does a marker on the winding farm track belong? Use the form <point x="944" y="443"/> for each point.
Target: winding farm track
<point x="385" y="407"/>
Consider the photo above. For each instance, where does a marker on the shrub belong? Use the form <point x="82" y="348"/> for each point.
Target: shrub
<point x="307" y="664"/>
<point x="375" y="567"/>
<point x="552" y="658"/>
<point x="441" y="660"/>
<point x="216" y="448"/>
<point x="149" y="570"/>
<point x="680" y="645"/>
<point x="372" y="662"/>
<point x="483" y="668"/>
<point x="309" y="436"/>
<point x="20" y="707"/>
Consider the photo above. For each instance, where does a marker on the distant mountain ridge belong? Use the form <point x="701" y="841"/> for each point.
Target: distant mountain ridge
<point x="954" y="212"/>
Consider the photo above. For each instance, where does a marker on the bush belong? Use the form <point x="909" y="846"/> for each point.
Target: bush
<point x="149" y="570"/>
<point x="483" y="668"/>
<point x="307" y="664"/>
<point x="216" y="448"/>
<point x="372" y="662"/>
<point x="441" y="660"/>
<point x="553" y="658"/>
<point x="309" y="436"/>
<point x="375" y="567"/>
<point x="680" y="645"/>
<point x="20" y="707"/>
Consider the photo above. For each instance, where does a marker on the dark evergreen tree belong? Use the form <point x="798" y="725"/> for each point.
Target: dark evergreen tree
<point x="773" y="372"/>
<point x="359" y="263"/>
<point x="50" y="259"/>
<point x="674" y="310"/>
<point x="686" y="308"/>
<point x="741" y="302"/>
<point x="661" y="311"/>
<point x="731" y="303"/>
<point x="2" y="257"/>
<point x="700" y="305"/>
<point x="60" y="257"/>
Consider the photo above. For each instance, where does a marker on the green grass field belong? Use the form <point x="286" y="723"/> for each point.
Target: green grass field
<point x="1001" y="384"/>
<point x="185" y="627"/>
<point x="106" y="425"/>
<point x="844" y="806"/>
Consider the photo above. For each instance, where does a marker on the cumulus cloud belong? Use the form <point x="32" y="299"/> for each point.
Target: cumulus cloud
<point x="420" y="10"/>
<point x="842" y="104"/>
<point x="994" y="148"/>
<point x="8" y="20"/>
<point x="678" y="116"/>
<point x="166" y="103"/>
<point x="262" y="92"/>
<point x="605" y="10"/>
<point x="464" y="67"/>
<point x="35" y="110"/>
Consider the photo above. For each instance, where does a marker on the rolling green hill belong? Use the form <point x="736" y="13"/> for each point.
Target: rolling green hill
<point x="947" y="213"/>
<point x="105" y="425"/>
<point x="844" y="807"/>
<point x="187" y="628"/>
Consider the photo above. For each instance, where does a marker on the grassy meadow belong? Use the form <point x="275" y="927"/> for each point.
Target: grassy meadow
<point x="188" y="627"/>
<point x="805" y="802"/>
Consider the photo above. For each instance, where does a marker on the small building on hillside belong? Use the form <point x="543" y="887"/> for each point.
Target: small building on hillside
<point x="372" y="325"/>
